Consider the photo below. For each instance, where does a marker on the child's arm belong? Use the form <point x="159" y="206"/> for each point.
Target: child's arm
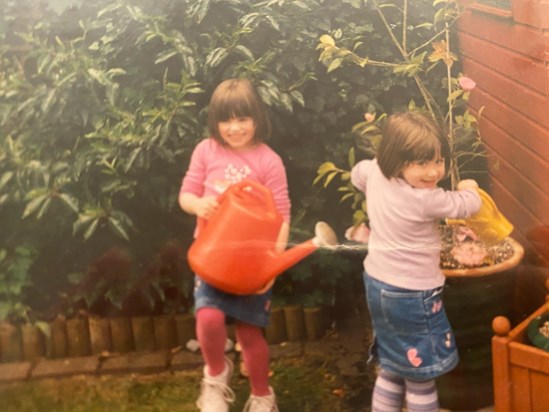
<point x="282" y="240"/>
<point x="281" y="243"/>
<point x="203" y="207"/>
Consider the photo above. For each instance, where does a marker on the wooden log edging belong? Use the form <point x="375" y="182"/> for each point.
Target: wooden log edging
<point x="84" y="336"/>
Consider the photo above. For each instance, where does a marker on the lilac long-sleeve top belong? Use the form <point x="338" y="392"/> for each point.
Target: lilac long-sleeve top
<point x="214" y="167"/>
<point x="404" y="243"/>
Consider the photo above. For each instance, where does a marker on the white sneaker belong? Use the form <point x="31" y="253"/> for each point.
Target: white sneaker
<point x="215" y="393"/>
<point x="265" y="403"/>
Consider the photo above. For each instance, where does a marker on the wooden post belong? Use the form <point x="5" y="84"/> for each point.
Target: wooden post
<point x="314" y="322"/>
<point x="500" y="364"/>
<point x="185" y="328"/>
<point x="58" y="338"/>
<point x="143" y="333"/>
<point x="295" y="327"/>
<point x="78" y="337"/>
<point x="121" y="334"/>
<point x="100" y="335"/>
<point x="34" y="345"/>
<point x="11" y="344"/>
<point x="276" y="329"/>
<point x="164" y="332"/>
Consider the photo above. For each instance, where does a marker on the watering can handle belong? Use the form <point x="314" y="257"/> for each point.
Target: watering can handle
<point x="258" y="189"/>
<point x="253" y="187"/>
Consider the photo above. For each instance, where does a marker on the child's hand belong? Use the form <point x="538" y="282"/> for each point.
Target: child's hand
<point x="206" y="206"/>
<point x="467" y="184"/>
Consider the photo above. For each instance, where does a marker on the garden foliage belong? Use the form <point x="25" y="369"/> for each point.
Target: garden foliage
<point x="101" y="104"/>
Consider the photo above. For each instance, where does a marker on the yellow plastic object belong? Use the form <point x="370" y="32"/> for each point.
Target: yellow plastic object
<point x="489" y="224"/>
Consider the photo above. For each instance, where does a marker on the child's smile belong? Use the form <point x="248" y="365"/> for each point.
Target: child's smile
<point x="424" y="174"/>
<point x="238" y="132"/>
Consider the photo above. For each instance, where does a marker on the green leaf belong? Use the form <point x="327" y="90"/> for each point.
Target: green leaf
<point x="326" y="167"/>
<point x="329" y="178"/>
<point x="165" y="55"/>
<point x="334" y="64"/>
<point x="6" y="177"/>
<point x="48" y="101"/>
<point x="328" y="40"/>
<point x="70" y="201"/>
<point x="33" y="205"/>
<point x="245" y="52"/>
<point x="44" y="208"/>
<point x="216" y="56"/>
<point x="117" y="227"/>
<point x="91" y="229"/>
<point x="83" y="220"/>
<point x="99" y="76"/>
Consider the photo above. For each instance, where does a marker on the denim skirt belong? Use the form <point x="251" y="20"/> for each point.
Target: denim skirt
<point x="412" y="335"/>
<point x="252" y="309"/>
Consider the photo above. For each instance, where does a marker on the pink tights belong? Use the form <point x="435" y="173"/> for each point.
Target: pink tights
<point x="212" y="334"/>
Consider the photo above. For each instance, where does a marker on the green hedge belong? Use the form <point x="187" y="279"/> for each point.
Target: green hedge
<point x="101" y="104"/>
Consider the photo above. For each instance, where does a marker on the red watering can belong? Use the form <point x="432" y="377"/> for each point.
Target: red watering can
<point x="235" y="250"/>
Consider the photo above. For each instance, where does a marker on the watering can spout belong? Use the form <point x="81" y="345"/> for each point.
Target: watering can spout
<point x="325" y="237"/>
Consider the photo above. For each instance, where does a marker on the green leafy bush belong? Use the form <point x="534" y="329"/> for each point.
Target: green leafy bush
<point x="101" y="104"/>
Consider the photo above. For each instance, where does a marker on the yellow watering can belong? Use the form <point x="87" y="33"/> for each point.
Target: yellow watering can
<point x="489" y="224"/>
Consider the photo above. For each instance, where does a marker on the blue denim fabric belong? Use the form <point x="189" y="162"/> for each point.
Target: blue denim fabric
<point x="412" y="335"/>
<point x="252" y="309"/>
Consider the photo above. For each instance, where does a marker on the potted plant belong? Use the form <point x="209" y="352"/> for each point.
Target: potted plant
<point x="423" y="38"/>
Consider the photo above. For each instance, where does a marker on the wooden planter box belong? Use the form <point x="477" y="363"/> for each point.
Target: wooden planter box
<point x="521" y="371"/>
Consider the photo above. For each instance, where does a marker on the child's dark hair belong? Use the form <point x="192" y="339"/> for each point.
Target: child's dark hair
<point x="410" y="137"/>
<point x="238" y="98"/>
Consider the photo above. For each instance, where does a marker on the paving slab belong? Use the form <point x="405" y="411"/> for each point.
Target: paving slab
<point x="58" y="368"/>
<point x="16" y="371"/>
<point x="186" y="360"/>
<point x="135" y="362"/>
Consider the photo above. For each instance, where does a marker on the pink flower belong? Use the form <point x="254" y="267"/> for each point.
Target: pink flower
<point x="466" y="83"/>
<point x="369" y="117"/>
<point x="462" y="233"/>
<point x="469" y="254"/>
<point x="360" y="233"/>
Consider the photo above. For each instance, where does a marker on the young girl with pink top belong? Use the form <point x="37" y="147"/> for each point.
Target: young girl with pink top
<point x="238" y="125"/>
<point x="413" y="340"/>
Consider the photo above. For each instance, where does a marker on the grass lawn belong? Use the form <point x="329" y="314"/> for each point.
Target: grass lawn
<point x="301" y="385"/>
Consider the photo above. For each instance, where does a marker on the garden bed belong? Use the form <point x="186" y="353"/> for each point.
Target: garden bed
<point x="89" y="335"/>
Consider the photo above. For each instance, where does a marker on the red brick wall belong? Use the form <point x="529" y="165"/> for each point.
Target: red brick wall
<point x="507" y="53"/>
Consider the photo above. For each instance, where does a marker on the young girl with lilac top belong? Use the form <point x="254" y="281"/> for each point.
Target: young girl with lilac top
<point x="413" y="340"/>
<point x="238" y="125"/>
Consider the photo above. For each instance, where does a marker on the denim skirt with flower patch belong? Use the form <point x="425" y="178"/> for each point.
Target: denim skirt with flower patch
<point x="252" y="309"/>
<point x="412" y="335"/>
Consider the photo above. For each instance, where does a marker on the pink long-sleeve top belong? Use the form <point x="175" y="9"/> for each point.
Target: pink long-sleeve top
<point x="214" y="167"/>
<point x="404" y="243"/>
